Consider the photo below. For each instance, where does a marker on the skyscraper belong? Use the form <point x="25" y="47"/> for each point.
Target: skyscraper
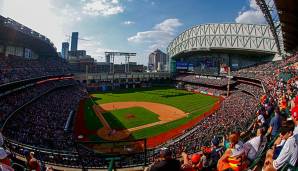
<point x="108" y="58"/>
<point x="64" y="50"/>
<point x="74" y="41"/>
<point x="158" y="61"/>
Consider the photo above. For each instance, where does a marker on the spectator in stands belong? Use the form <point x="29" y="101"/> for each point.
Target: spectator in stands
<point x="205" y="159"/>
<point x="32" y="162"/>
<point x="275" y="124"/>
<point x="216" y="152"/>
<point x="260" y="122"/>
<point x="166" y="162"/>
<point x="294" y="102"/>
<point x="285" y="133"/>
<point x="34" y="165"/>
<point x="191" y="163"/>
<point x="254" y="145"/>
<point x="230" y="159"/>
<point x="4" y="157"/>
<point x="289" y="152"/>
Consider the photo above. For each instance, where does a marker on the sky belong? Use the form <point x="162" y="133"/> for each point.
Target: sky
<point x="139" y="26"/>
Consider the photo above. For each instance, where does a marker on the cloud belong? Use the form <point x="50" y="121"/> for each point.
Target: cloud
<point x="128" y="22"/>
<point x="1" y="5"/>
<point x="69" y="12"/>
<point x="102" y="7"/>
<point x="94" y="48"/>
<point x="159" y="36"/>
<point x="251" y="16"/>
<point x="168" y="25"/>
<point x="42" y="19"/>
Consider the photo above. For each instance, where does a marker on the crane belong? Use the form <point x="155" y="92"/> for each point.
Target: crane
<point x="69" y="37"/>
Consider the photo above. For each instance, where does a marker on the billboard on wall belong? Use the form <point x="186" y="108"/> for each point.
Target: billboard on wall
<point x="184" y="66"/>
<point x="181" y="65"/>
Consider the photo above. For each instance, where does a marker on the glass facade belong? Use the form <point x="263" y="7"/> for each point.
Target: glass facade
<point x="74" y="41"/>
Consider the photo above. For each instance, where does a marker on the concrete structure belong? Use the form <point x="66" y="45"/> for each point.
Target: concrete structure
<point x="64" y="50"/>
<point x="77" y="54"/>
<point x="158" y="61"/>
<point x="88" y="64"/>
<point x="19" y="40"/>
<point x="120" y="79"/>
<point x="74" y="41"/>
<point x="80" y="65"/>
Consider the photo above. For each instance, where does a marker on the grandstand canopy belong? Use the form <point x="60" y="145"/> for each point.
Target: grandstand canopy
<point x="16" y="34"/>
<point x="288" y="15"/>
<point x="224" y="36"/>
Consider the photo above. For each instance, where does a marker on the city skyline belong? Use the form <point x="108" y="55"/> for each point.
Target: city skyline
<point x="124" y="25"/>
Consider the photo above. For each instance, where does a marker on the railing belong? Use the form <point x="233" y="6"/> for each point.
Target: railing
<point x="46" y="156"/>
<point x="81" y="157"/>
<point x="69" y="121"/>
<point x="9" y="84"/>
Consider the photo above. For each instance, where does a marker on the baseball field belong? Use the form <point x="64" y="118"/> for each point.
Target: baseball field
<point x="142" y="112"/>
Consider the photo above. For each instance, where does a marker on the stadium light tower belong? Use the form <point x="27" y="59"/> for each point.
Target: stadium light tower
<point x="110" y="56"/>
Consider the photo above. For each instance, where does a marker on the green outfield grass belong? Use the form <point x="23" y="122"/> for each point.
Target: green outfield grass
<point x="195" y="104"/>
<point x="130" y="117"/>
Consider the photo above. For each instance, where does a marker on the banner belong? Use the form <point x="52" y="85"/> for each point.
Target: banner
<point x="184" y="66"/>
<point x="181" y="65"/>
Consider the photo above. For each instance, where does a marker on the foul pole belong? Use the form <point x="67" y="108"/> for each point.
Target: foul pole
<point x="229" y="81"/>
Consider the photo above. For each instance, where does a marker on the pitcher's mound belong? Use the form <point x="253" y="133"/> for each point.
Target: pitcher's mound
<point x="130" y="116"/>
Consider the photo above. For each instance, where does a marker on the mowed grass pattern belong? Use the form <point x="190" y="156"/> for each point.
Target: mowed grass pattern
<point x="194" y="104"/>
<point x="181" y="99"/>
<point x="130" y="117"/>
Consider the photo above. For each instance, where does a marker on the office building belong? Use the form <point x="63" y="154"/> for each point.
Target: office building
<point x="64" y="50"/>
<point x="74" y="41"/>
<point x="158" y="61"/>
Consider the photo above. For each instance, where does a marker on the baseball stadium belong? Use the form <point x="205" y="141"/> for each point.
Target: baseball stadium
<point x="229" y="101"/>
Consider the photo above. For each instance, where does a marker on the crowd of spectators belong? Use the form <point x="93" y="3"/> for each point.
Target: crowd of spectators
<point x="14" y="68"/>
<point x="206" y="90"/>
<point x="252" y="89"/>
<point x="266" y="72"/>
<point x="206" y="80"/>
<point x="11" y="102"/>
<point x="41" y="123"/>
